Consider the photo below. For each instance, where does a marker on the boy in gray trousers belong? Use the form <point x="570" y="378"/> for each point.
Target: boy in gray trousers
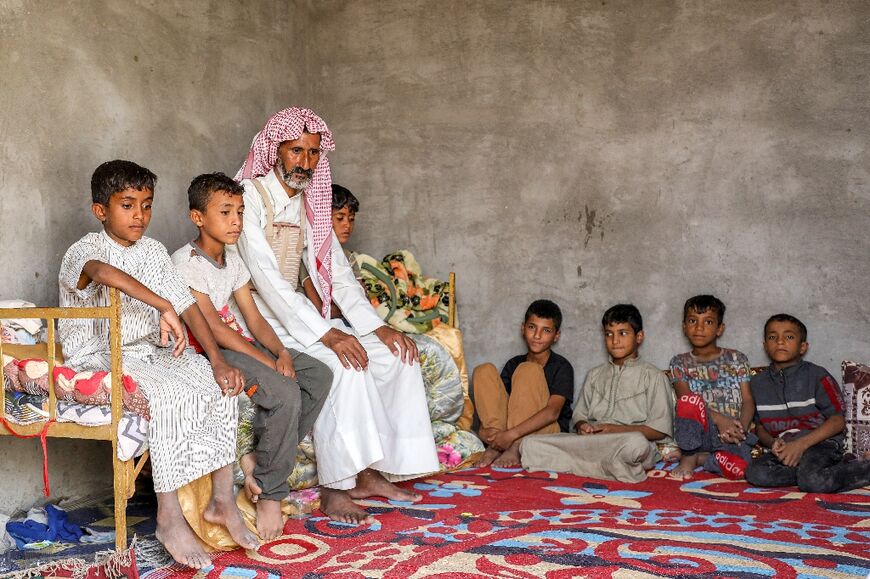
<point x="287" y="388"/>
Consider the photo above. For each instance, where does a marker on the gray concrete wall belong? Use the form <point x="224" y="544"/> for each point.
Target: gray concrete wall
<point x="179" y="87"/>
<point x="589" y="152"/>
<point x="604" y="152"/>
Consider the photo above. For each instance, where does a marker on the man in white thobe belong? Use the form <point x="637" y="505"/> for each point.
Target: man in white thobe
<point x="374" y="427"/>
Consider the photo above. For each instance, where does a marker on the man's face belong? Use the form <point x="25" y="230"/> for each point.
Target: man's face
<point x="297" y="160"/>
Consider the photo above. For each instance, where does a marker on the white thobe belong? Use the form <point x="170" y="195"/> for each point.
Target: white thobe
<point x="376" y="418"/>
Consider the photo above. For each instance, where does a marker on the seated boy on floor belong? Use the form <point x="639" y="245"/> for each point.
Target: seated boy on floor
<point x="799" y="407"/>
<point x="344" y="209"/>
<point x="624" y="408"/>
<point x="532" y="395"/>
<point x="287" y="388"/>
<point x="192" y="431"/>
<point x="714" y="403"/>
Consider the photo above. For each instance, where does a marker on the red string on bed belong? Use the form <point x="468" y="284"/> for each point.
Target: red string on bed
<point x="42" y="438"/>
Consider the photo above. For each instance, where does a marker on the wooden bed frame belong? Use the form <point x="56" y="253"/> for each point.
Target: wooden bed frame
<point x="125" y="472"/>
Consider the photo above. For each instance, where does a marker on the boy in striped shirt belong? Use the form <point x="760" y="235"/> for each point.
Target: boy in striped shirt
<point x="799" y="415"/>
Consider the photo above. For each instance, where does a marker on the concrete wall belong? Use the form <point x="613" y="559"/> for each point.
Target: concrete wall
<point x="589" y="152"/>
<point x="604" y="152"/>
<point x="180" y="87"/>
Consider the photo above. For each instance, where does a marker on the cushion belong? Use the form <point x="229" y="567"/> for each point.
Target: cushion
<point x="856" y="391"/>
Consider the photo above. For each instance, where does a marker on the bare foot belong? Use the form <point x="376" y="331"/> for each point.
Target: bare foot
<point x="227" y="514"/>
<point x="176" y="535"/>
<point x="371" y="483"/>
<point x="252" y="489"/>
<point x="489" y="455"/>
<point x="270" y="523"/>
<point x="510" y="457"/>
<point x="688" y="463"/>
<point x="671" y="454"/>
<point x="338" y="506"/>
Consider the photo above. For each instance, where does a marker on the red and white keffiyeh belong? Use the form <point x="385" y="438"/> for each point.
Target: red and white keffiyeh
<point x="288" y="125"/>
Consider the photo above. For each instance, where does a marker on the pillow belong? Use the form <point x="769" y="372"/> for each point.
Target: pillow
<point x="856" y="391"/>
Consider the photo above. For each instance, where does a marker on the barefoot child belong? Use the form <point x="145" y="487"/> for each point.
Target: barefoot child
<point x="714" y="403"/>
<point x="288" y="388"/>
<point x="800" y="418"/>
<point x="532" y="395"/>
<point x="624" y="408"/>
<point x="192" y="431"/>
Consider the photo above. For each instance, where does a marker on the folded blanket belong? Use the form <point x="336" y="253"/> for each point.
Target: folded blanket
<point x="402" y="296"/>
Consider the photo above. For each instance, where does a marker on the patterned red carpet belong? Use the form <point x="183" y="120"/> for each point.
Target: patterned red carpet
<point x="508" y="523"/>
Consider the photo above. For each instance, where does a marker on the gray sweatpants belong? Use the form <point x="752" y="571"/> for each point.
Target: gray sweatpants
<point x="286" y="411"/>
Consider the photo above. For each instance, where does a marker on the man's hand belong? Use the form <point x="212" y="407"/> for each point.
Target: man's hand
<point x="399" y="344"/>
<point x="284" y="364"/>
<point x="503" y="440"/>
<point x="350" y="352"/>
<point x="788" y="453"/>
<point x="228" y="378"/>
<point x="170" y="325"/>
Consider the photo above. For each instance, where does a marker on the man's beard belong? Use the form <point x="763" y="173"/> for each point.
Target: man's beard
<point x="287" y="176"/>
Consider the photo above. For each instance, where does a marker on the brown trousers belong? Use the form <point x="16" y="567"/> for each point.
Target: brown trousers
<point x="529" y="395"/>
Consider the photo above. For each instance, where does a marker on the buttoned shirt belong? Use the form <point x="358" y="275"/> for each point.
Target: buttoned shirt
<point x="636" y="393"/>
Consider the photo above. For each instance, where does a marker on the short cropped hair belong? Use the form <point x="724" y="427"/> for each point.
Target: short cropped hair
<point x="545" y="309"/>
<point x="342" y="196"/>
<point x="623" y="314"/>
<point x="115" y="176"/>
<point x="787" y="318"/>
<point x="703" y="304"/>
<point x="204" y="186"/>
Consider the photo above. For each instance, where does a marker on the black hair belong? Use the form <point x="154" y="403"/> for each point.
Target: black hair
<point x="204" y="186"/>
<point x="623" y="314"/>
<point x="787" y="318"/>
<point x="342" y="196"/>
<point x="114" y="176"/>
<point x="703" y="304"/>
<point x="545" y="309"/>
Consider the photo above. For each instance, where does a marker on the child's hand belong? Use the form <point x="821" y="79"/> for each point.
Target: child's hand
<point x="229" y="379"/>
<point x="586" y="428"/>
<point x="503" y="440"/>
<point x="734" y="434"/>
<point x="488" y="435"/>
<point x="788" y="453"/>
<point x="284" y="364"/>
<point x="171" y="325"/>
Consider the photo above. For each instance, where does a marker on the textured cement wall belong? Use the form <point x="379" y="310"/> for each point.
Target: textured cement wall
<point x="179" y="87"/>
<point x="604" y="152"/>
<point x="589" y="152"/>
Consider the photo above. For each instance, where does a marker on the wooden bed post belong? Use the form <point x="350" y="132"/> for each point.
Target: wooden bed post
<point x="451" y="304"/>
<point x="120" y="469"/>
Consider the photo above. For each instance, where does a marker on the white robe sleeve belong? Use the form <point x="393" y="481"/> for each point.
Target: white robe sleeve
<point x="349" y="295"/>
<point x="293" y="310"/>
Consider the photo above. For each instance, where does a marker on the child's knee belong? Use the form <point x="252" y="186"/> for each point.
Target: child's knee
<point x="528" y="370"/>
<point x="485" y="369"/>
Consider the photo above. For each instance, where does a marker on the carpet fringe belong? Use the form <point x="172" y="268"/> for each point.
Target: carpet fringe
<point x="114" y="563"/>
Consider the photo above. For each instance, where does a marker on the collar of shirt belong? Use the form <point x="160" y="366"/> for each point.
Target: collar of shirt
<point x="286" y="208"/>
<point x="628" y="363"/>
<point x="196" y="249"/>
